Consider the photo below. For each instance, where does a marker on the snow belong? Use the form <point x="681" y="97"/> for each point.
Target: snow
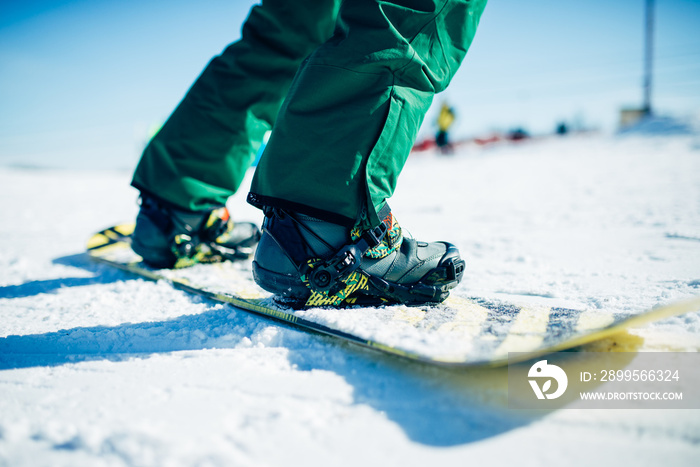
<point x="100" y="369"/>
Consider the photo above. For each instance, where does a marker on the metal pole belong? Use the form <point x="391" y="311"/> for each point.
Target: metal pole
<point x="648" y="55"/>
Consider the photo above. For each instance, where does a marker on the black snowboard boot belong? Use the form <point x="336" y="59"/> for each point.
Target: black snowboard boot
<point x="308" y="262"/>
<point x="169" y="237"/>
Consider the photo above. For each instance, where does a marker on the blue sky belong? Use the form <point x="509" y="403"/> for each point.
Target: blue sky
<point x="81" y="82"/>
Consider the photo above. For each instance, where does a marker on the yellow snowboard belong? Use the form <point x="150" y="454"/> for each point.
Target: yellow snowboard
<point x="459" y="332"/>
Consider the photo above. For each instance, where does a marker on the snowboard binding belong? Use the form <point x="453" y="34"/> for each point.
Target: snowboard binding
<point x="169" y="237"/>
<point x="307" y="262"/>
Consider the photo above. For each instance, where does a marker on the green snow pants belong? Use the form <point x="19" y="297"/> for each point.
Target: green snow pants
<point x="344" y="85"/>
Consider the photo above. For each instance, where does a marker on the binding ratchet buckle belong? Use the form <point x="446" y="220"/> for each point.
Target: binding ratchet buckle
<point x="327" y="276"/>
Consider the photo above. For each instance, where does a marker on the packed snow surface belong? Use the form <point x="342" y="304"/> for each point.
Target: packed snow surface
<point x="98" y="368"/>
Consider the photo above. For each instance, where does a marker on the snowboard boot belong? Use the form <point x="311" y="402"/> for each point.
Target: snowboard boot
<point x="169" y="237"/>
<point x="308" y="262"/>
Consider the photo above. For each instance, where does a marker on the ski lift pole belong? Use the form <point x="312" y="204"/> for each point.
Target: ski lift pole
<point x="648" y="55"/>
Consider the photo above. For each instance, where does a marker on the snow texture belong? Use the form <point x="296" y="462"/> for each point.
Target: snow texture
<point x="98" y="368"/>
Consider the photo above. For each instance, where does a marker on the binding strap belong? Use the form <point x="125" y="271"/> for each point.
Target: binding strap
<point x="334" y="280"/>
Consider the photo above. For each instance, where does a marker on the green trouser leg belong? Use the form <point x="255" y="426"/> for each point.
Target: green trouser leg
<point x="354" y="108"/>
<point x="200" y="156"/>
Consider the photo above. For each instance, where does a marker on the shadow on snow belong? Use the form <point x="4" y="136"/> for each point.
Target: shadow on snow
<point x="434" y="406"/>
<point x="101" y="275"/>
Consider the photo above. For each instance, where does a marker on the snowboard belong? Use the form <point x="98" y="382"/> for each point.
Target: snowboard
<point x="461" y="332"/>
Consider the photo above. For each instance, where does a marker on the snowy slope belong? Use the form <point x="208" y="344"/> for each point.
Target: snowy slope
<point x="98" y="368"/>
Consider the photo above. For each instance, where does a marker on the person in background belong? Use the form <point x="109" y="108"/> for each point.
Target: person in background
<point x="445" y="119"/>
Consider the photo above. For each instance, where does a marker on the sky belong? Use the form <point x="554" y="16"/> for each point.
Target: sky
<point x="82" y="83"/>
